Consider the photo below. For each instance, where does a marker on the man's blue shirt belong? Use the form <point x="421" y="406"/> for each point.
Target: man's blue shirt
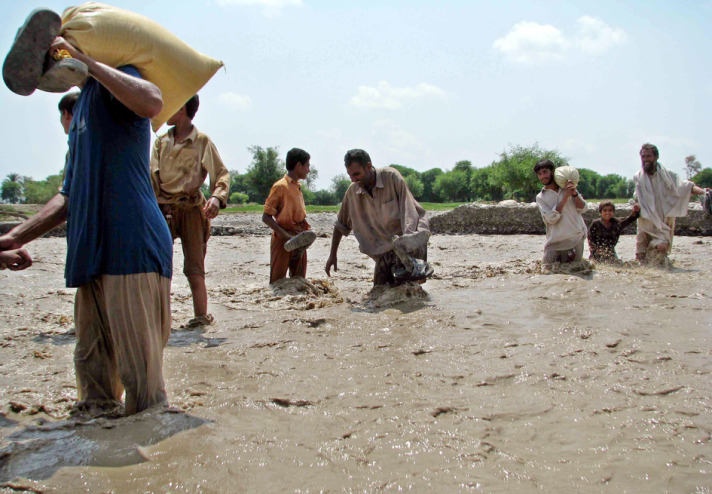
<point x="114" y="225"/>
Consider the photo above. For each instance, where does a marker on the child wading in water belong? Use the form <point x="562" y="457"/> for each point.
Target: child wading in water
<point x="603" y="233"/>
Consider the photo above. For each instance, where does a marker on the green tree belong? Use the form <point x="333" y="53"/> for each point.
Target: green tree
<point x="238" y="183"/>
<point x="266" y="168"/>
<point x="466" y="166"/>
<point x="692" y="166"/>
<point x="325" y="198"/>
<point x="452" y="186"/>
<point x="238" y="198"/>
<point x="339" y="185"/>
<point x="205" y="189"/>
<point x="41" y="191"/>
<point x="405" y="171"/>
<point x="11" y="192"/>
<point x="513" y="172"/>
<point x="481" y="188"/>
<point x="428" y="178"/>
<point x="310" y="181"/>
<point x="703" y="178"/>
<point x="415" y="185"/>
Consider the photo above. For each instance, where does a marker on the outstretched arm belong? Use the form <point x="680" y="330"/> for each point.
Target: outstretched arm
<point x="698" y="191"/>
<point x="332" y="261"/>
<point x="52" y="214"/>
<point x="138" y="95"/>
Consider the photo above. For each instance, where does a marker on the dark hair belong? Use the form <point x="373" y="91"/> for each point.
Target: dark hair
<point x="651" y="147"/>
<point x="296" y="156"/>
<point x="357" y="156"/>
<point x="191" y="107"/>
<point x="543" y="164"/>
<point x="606" y="204"/>
<point x="67" y="102"/>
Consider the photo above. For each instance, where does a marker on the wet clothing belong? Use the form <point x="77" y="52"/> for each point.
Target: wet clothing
<point x="178" y="169"/>
<point x="190" y="224"/>
<point x="662" y="198"/>
<point x="565" y="230"/>
<point x="389" y="263"/>
<point x="114" y="225"/>
<point x="119" y="254"/>
<point x="573" y="254"/>
<point x="285" y="204"/>
<point x="281" y="261"/>
<point x="377" y="220"/>
<point x="123" y="324"/>
<point x="602" y="240"/>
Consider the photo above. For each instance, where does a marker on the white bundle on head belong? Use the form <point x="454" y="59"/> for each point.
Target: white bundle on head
<point x="565" y="174"/>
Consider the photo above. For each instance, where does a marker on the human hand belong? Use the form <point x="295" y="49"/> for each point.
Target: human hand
<point x="211" y="208"/>
<point x="60" y="43"/>
<point x="15" y="260"/>
<point x="9" y="243"/>
<point x="570" y="189"/>
<point x="636" y="208"/>
<point x="331" y="261"/>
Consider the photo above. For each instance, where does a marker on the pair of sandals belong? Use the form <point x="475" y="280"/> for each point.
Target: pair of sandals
<point x="29" y="65"/>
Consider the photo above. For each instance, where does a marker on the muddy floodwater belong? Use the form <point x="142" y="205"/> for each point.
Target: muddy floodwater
<point x="495" y="378"/>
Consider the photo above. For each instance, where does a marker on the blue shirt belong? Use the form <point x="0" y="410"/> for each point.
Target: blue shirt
<point x="114" y="225"/>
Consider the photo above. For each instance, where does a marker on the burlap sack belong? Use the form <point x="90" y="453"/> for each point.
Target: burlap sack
<point x="564" y="174"/>
<point x="118" y="37"/>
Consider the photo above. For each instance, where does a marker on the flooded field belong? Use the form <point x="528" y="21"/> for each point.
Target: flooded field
<point x="491" y="377"/>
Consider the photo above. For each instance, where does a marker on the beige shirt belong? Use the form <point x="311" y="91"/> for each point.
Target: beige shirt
<point x="661" y="197"/>
<point x="178" y="169"/>
<point x="564" y="230"/>
<point x="377" y="220"/>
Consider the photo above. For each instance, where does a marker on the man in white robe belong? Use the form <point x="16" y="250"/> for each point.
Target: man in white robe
<point x="662" y="197"/>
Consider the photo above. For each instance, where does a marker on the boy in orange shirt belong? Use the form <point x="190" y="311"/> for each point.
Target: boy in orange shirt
<point x="285" y="214"/>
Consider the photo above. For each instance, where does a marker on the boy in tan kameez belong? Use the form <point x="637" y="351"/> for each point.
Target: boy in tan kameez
<point x="180" y="162"/>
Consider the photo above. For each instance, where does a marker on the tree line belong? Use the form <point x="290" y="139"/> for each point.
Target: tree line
<point x="510" y="176"/>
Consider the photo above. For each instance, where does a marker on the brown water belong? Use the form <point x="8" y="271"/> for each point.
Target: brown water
<point x="495" y="379"/>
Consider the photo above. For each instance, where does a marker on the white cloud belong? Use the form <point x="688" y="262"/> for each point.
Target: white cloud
<point x="531" y="42"/>
<point x="235" y="101"/>
<point x="391" y="98"/>
<point x="596" y="37"/>
<point x="395" y="139"/>
<point x="270" y="7"/>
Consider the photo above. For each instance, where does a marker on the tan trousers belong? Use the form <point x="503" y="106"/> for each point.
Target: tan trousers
<point x="193" y="228"/>
<point x="551" y="256"/>
<point x="123" y="323"/>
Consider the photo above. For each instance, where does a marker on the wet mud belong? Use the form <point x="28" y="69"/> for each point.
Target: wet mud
<point x="490" y="377"/>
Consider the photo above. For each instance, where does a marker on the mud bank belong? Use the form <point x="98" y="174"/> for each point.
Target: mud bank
<point x="505" y="218"/>
<point x="510" y="218"/>
<point x="491" y="377"/>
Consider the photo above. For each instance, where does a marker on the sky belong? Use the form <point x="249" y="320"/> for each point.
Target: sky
<point x="422" y="84"/>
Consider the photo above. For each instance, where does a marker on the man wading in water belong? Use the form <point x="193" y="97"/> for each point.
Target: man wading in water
<point x="561" y="211"/>
<point x="389" y="224"/>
